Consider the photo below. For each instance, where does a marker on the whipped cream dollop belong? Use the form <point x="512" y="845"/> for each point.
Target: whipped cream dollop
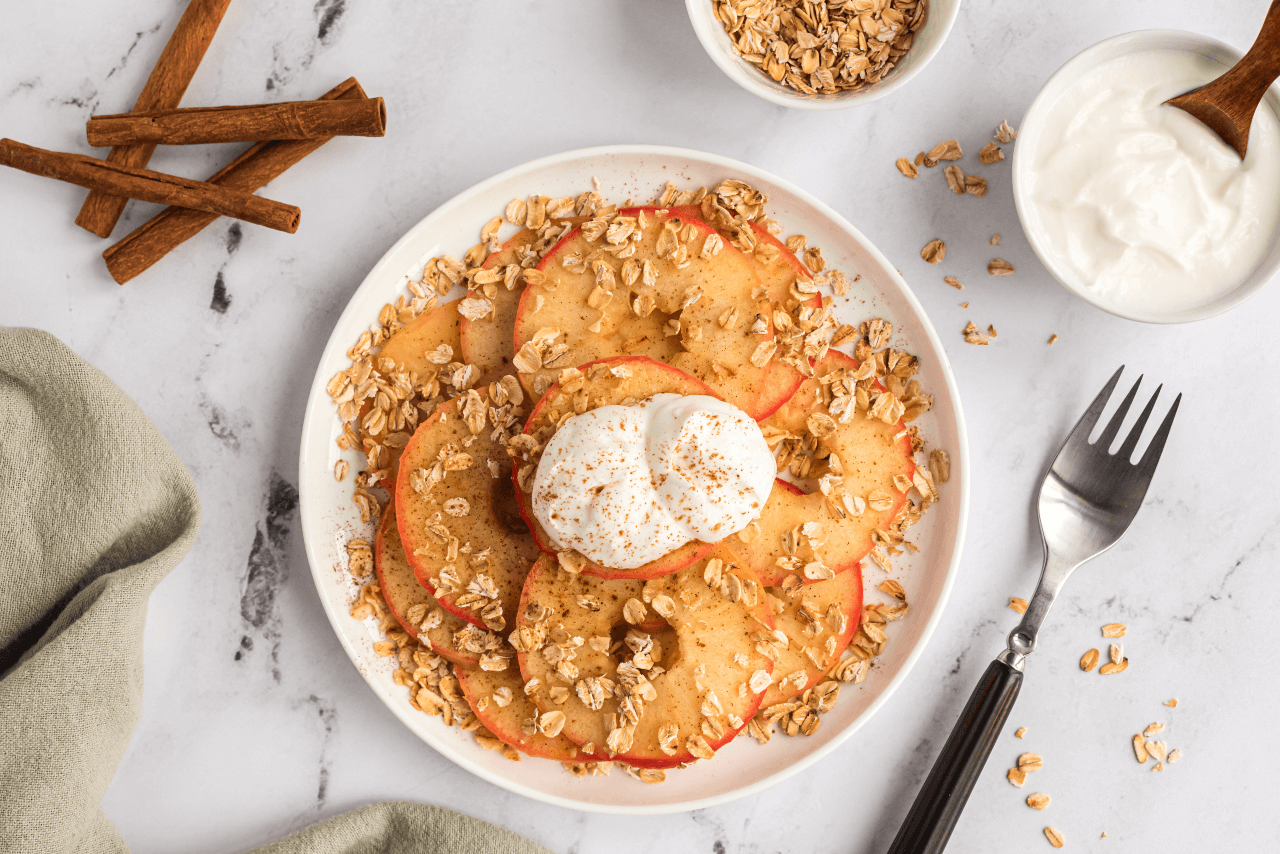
<point x="625" y="485"/>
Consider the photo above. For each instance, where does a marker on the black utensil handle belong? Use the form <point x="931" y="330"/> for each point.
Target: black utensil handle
<point x="937" y="808"/>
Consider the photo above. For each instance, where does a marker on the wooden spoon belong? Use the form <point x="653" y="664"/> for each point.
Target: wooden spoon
<point x="1227" y="104"/>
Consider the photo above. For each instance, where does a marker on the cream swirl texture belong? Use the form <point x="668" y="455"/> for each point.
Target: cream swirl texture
<point x="625" y="485"/>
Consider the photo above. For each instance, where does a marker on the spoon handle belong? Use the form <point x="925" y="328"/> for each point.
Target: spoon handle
<point x="1241" y="88"/>
<point x="937" y="807"/>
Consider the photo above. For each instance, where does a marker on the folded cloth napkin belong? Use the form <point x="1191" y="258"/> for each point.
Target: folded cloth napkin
<point x="96" y="509"/>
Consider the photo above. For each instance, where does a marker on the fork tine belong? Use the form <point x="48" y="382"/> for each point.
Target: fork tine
<point x="1151" y="456"/>
<point x="1131" y="441"/>
<point x="1117" y="420"/>
<point x="1080" y="433"/>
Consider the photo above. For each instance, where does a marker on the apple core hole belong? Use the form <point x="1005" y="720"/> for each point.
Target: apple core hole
<point x="666" y="643"/>
<point x="506" y="509"/>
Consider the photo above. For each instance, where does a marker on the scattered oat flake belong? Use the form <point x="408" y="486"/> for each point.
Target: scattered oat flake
<point x="949" y="150"/>
<point x="340" y="470"/>
<point x="974" y="335"/>
<point x="955" y="179"/>
<point x="1054" y="836"/>
<point x="1017" y="777"/>
<point x="906" y="167"/>
<point x="1021" y="731"/>
<point x="893" y="588"/>
<point x="1019" y="605"/>
<point x="1114" y="630"/>
<point x="1029" y="762"/>
<point x="995" y="240"/>
<point x="999" y="267"/>
<point x="991" y="330"/>
<point x="1172" y="703"/>
<point x="1005" y="133"/>
<point x="1089" y="660"/>
<point x="1114" y="667"/>
<point x="1174" y="755"/>
<point x="934" y="251"/>
<point x="954" y="282"/>
<point x="1139" y="750"/>
<point x="1053" y="339"/>
<point x="1038" y="801"/>
<point x="964" y="305"/>
<point x="1152" y="729"/>
<point x="990" y="153"/>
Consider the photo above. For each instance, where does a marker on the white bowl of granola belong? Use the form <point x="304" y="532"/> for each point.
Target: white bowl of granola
<point x="829" y="65"/>
<point x="922" y="574"/>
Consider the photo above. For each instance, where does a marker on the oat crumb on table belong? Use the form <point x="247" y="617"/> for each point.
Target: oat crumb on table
<point x="974" y="335"/>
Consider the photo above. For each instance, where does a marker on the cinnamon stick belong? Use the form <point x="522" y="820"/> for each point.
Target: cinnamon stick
<point x="257" y="166"/>
<point x="163" y="90"/>
<point x="200" y="125"/>
<point x="129" y="183"/>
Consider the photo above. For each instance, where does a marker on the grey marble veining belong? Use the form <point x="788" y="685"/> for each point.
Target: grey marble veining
<point x="255" y="724"/>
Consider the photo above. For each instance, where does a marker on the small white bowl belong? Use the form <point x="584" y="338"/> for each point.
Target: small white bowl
<point x="940" y="17"/>
<point x="1033" y="124"/>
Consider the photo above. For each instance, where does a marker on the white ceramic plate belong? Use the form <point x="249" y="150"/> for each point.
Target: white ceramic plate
<point x="743" y="767"/>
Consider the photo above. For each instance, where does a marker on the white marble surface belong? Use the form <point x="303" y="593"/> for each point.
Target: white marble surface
<point x="256" y="724"/>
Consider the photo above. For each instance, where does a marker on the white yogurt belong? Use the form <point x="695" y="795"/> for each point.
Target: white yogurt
<point x="627" y="484"/>
<point x="1143" y="205"/>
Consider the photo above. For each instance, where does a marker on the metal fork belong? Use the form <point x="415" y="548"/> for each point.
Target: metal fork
<point x="1088" y="497"/>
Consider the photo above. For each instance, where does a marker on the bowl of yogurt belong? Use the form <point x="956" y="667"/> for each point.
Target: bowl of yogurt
<point x="1135" y="206"/>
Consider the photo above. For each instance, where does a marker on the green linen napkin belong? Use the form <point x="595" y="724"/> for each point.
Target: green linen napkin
<point x="96" y="509"/>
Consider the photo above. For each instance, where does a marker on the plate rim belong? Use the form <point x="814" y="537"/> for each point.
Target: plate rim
<point x="317" y="395"/>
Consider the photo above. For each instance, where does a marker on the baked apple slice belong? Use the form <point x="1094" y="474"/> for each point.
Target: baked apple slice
<point x="499" y="701"/>
<point x="624" y="380"/>
<point x="649" y="699"/>
<point x="418" y="612"/>
<point x="861" y="474"/>
<point x="457" y="514"/>
<point x="784" y="279"/>
<point x="426" y="342"/>
<point x="818" y="618"/>
<point x="419" y="347"/>
<point x="487" y="341"/>
<point x="652" y="283"/>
